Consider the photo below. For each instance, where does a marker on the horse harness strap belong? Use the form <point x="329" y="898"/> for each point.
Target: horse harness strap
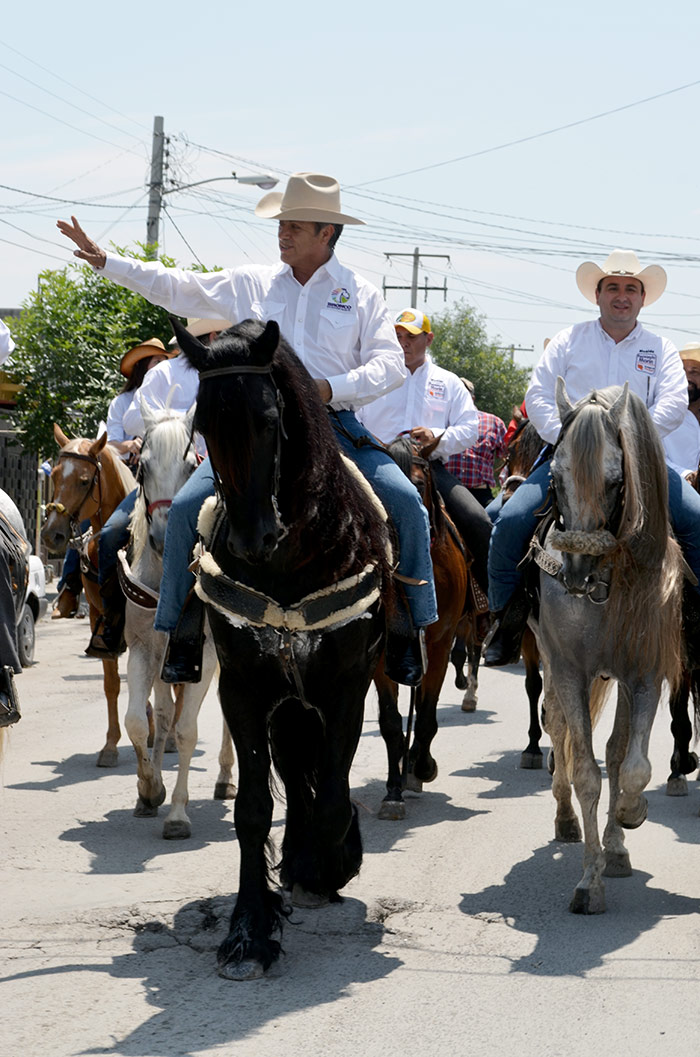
<point x="136" y="592"/>
<point x="74" y="517"/>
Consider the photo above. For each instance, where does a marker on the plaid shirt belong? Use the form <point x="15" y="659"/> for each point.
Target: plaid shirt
<point x="474" y="467"/>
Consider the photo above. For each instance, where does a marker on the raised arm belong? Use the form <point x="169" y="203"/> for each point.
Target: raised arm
<point x="87" y="249"/>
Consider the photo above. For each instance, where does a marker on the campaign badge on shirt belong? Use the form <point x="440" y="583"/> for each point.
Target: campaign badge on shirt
<point x="436" y="389"/>
<point x="646" y="361"/>
<point x="340" y="300"/>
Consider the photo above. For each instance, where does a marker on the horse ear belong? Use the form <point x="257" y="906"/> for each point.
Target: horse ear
<point x="564" y="405"/>
<point x="147" y="414"/>
<point x="97" y="445"/>
<point x="517" y="414"/>
<point x="619" y="407"/>
<point x="268" y="341"/>
<point x="60" y="437"/>
<point x="196" y="354"/>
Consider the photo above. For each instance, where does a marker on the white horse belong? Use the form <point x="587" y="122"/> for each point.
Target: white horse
<point x="611" y="611"/>
<point x="167" y="461"/>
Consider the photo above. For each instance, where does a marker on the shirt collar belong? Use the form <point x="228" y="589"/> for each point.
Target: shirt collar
<point x="632" y="336"/>
<point x="331" y="266"/>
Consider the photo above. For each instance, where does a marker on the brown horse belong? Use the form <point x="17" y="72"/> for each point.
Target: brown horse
<point x="89" y="481"/>
<point x="450" y="569"/>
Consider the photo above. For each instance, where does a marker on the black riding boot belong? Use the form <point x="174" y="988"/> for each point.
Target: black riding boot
<point x="509" y="623"/>
<point x="9" y="701"/>
<point x="183" y="657"/>
<point x="107" y="639"/>
<point x="405" y="658"/>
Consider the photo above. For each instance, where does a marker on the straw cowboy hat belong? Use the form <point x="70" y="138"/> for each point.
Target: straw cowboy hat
<point x="621" y="262"/>
<point x="307" y="196"/>
<point x="691" y="351"/>
<point x="197" y="327"/>
<point x="152" y="347"/>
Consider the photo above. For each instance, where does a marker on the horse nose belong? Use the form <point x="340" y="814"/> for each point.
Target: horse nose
<point x="55" y="540"/>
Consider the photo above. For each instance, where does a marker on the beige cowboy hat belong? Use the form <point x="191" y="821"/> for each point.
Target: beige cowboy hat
<point x="307" y="196"/>
<point x="152" y="347"/>
<point x="691" y="351"/>
<point x="197" y="327"/>
<point x="621" y="262"/>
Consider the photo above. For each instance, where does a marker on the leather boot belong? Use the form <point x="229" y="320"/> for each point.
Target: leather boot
<point x="107" y="640"/>
<point x="504" y="640"/>
<point x="183" y="657"/>
<point x="405" y="658"/>
<point x="9" y="701"/>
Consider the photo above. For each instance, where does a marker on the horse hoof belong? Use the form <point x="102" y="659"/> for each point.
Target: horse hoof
<point x="108" y="758"/>
<point x="469" y="704"/>
<point x="461" y="682"/>
<point x="567" y="831"/>
<point x="392" y="811"/>
<point x="413" y="784"/>
<point x="617" y="864"/>
<point x="587" y="901"/>
<point x="308" y="900"/>
<point x="144" y="809"/>
<point x="677" y="786"/>
<point x="177" y="830"/>
<point x="225" y="791"/>
<point x="531" y="761"/>
<point x="245" y="970"/>
<point x="170" y="743"/>
<point x="633" y="821"/>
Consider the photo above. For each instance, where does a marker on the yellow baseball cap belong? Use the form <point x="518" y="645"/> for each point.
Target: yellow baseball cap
<point x="413" y="321"/>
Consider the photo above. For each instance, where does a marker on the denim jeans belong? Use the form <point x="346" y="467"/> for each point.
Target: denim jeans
<point x="516" y="523"/>
<point x="114" y="536"/>
<point x="393" y="488"/>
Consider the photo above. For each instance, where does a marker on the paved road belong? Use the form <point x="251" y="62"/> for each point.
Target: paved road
<point x="455" y="939"/>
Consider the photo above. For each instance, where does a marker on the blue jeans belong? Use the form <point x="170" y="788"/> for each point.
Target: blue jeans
<point x="516" y="523"/>
<point x="114" y="536"/>
<point x="393" y="488"/>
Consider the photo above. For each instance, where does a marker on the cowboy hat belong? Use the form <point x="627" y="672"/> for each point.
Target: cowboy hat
<point x="691" y="351"/>
<point x="197" y="327"/>
<point x="307" y="196"/>
<point x="621" y="262"/>
<point x="152" y="347"/>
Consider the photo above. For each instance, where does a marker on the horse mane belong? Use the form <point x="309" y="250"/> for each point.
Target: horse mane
<point x="523" y="448"/>
<point x="109" y="457"/>
<point x="318" y="497"/>
<point x="403" y="450"/>
<point x="643" y="609"/>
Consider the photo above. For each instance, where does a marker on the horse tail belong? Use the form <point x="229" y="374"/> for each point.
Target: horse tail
<point x="695" y="694"/>
<point x="600" y="692"/>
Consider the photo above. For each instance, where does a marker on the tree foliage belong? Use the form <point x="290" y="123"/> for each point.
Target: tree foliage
<point x="70" y="338"/>
<point x="462" y="346"/>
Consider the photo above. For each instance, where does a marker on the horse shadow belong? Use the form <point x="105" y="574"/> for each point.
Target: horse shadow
<point x="678" y="813"/>
<point x="534" y="899"/>
<point x="80" y="767"/>
<point x="507" y="777"/>
<point x="196" y="1011"/>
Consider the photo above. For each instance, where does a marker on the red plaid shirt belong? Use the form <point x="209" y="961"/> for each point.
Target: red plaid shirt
<point x="474" y="467"/>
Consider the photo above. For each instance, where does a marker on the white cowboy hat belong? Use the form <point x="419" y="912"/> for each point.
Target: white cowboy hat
<point x="307" y="196"/>
<point x="197" y="327"/>
<point x="691" y="351"/>
<point x="622" y="262"/>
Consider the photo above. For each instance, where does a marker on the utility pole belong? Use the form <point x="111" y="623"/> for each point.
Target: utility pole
<point x="417" y="257"/>
<point x="155" y="196"/>
<point x="512" y="349"/>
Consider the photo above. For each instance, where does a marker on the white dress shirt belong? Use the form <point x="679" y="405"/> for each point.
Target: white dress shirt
<point x="170" y="384"/>
<point x="115" y="420"/>
<point x="682" y="447"/>
<point x="431" y="397"/>
<point x="588" y="358"/>
<point x="337" y="323"/>
<point x="7" y="345"/>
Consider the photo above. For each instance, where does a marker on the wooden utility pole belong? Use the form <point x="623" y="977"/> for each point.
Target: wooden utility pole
<point x="417" y="257"/>
<point x="155" y="196"/>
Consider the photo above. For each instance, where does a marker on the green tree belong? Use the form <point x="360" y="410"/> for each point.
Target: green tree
<point x="70" y="338"/>
<point x="462" y="346"/>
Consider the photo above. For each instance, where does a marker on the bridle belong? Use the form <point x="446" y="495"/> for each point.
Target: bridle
<point x="248" y="368"/>
<point x="156" y="504"/>
<point x="74" y="518"/>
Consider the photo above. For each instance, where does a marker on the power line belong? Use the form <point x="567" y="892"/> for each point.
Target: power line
<point x="528" y="139"/>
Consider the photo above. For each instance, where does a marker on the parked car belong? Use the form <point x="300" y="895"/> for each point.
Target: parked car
<point x="35" y="605"/>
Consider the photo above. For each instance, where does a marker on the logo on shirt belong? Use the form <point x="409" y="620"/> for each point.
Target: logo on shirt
<point x="339" y="299"/>
<point x="646" y="361"/>
<point x="436" y="389"/>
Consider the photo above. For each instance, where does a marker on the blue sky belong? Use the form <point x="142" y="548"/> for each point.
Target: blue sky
<point x="370" y="92"/>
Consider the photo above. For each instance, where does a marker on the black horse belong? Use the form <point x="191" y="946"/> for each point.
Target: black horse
<point x="293" y="571"/>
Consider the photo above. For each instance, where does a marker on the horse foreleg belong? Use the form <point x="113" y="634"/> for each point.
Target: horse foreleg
<point x="225" y="788"/>
<point x="531" y="757"/>
<point x="140" y="674"/>
<point x="683" y="761"/>
<point x="109" y="756"/>
<point x="566" y="824"/>
<point x="422" y="765"/>
<point x="458" y="655"/>
<point x="617" y="860"/>
<point x="470" y="699"/>
<point x="635" y="770"/>
<point x="393" y="806"/>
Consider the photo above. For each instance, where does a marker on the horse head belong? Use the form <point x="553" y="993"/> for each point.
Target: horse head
<point x="240" y="414"/>
<point x="588" y="486"/>
<point x="75" y="487"/>
<point x="166" y="462"/>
